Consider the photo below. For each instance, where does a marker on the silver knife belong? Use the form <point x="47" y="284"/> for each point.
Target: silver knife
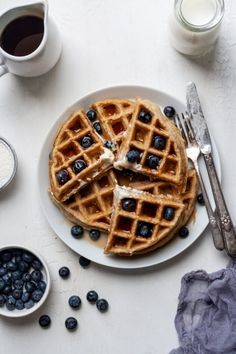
<point x="204" y="141"/>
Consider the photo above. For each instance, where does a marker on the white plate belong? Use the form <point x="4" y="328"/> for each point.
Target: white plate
<point x="93" y="249"/>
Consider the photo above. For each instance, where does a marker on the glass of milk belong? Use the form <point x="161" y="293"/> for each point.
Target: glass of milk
<point x="195" y="25"/>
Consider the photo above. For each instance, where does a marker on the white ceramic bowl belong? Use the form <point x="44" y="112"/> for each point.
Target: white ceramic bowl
<point x="46" y="277"/>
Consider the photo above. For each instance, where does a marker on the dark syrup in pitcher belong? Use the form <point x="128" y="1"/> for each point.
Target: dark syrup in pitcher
<point x="23" y="35"/>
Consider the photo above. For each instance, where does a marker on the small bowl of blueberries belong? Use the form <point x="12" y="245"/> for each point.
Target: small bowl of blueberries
<point x="24" y="281"/>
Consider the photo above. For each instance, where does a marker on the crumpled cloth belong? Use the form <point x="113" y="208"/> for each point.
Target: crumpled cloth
<point x="206" y="315"/>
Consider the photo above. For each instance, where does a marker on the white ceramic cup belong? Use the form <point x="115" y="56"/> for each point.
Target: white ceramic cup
<point x="46" y="54"/>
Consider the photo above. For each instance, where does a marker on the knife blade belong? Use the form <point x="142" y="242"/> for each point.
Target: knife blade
<point x="203" y="139"/>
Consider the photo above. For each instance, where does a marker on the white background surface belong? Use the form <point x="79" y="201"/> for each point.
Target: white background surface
<point x="106" y="43"/>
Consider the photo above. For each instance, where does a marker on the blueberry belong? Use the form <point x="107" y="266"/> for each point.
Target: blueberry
<point x="36" y="276"/>
<point x="64" y="272"/>
<point x="18" y="259"/>
<point x="133" y="156"/>
<point x="44" y="321"/>
<point x="183" y="232"/>
<point x="42" y="285"/>
<point x="62" y="177"/>
<point x="84" y="262"/>
<point x="27" y="257"/>
<point x="144" y="229"/>
<point x="36" y="264"/>
<point x="77" y="231"/>
<point x="128" y="173"/>
<point x="7" y="290"/>
<point x="92" y="115"/>
<point x="3" y="271"/>
<point x="7" y="278"/>
<point x="6" y="256"/>
<point x="10" y="303"/>
<point x="16" y="275"/>
<point x="200" y="199"/>
<point x="71" y="323"/>
<point x="19" y="305"/>
<point x="79" y="165"/>
<point x="92" y="296"/>
<point x="159" y="142"/>
<point x="26" y="277"/>
<point x="23" y="266"/>
<point x="86" y="142"/>
<point x="109" y="145"/>
<point x="97" y="127"/>
<point x="18" y="284"/>
<point x="29" y="304"/>
<point x="153" y="161"/>
<point x="102" y="305"/>
<point x="74" y="301"/>
<point x="17" y="252"/>
<point x="144" y="116"/>
<point x="11" y="266"/>
<point x="94" y="234"/>
<point x="25" y="296"/>
<point x="30" y="286"/>
<point x="37" y="295"/>
<point x="169" y="111"/>
<point x="3" y="299"/>
<point x="17" y="294"/>
<point x="2" y="284"/>
<point x="129" y="204"/>
<point x="169" y="213"/>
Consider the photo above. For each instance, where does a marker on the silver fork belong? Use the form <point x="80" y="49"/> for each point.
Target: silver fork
<point x="193" y="152"/>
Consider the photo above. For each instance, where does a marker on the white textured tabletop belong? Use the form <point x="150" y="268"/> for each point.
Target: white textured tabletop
<point x="108" y="43"/>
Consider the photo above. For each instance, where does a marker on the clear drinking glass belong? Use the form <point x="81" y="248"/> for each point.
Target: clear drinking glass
<point x="195" y="25"/>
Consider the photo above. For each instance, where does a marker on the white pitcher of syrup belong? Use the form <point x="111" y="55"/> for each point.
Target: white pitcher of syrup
<point x="30" y="43"/>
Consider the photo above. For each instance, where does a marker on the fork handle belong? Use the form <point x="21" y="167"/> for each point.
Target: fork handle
<point x="215" y="229"/>
<point x="221" y="208"/>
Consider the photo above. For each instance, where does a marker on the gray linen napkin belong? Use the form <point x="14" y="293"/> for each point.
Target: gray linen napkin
<point x="206" y="315"/>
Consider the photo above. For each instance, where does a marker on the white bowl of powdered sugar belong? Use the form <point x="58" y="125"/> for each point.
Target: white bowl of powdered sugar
<point x="8" y="163"/>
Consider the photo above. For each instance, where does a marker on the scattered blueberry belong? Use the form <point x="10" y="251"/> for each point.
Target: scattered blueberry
<point x="94" y="234"/>
<point x="7" y="278"/>
<point x="62" y="176"/>
<point x="30" y="286"/>
<point x="6" y="256"/>
<point x="10" y="303"/>
<point x="42" y="285"/>
<point x="92" y="296"/>
<point x="86" y="142"/>
<point x="183" y="232"/>
<point x="153" y="161"/>
<point x="11" y="266"/>
<point x="29" y="304"/>
<point x="133" y="156"/>
<point x="169" y="213"/>
<point x="102" y="305"/>
<point x="169" y="111"/>
<point x="97" y="127"/>
<point x="18" y="284"/>
<point x="18" y="259"/>
<point x="26" y="277"/>
<point x="37" y="295"/>
<point x="64" y="272"/>
<point x="129" y="204"/>
<point x="27" y="257"/>
<point x="109" y="145"/>
<point x="7" y="290"/>
<point x="44" y="321"/>
<point x="128" y="173"/>
<point x="3" y="299"/>
<point x="3" y="271"/>
<point x="23" y="266"/>
<point x="79" y="165"/>
<point x="36" y="276"/>
<point x="25" y="296"/>
<point x="159" y="142"/>
<point x="36" y="264"/>
<point x="74" y="301"/>
<point x="16" y="275"/>
<point x="84" y="262"/>
<point x="71" y="323"/>
<point x="17" y="294"/>
<point x="92" y="115"/>
<point x="19" y="305"/>
<point x="200" y="199"/>
<point x="144" y="116"/>
<point x="77" y="231"/>
<point x="144" y="229"/>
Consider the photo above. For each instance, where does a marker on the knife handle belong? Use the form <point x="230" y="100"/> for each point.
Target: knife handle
<point x="213" y="219"/>
<point x="226" y="224"/>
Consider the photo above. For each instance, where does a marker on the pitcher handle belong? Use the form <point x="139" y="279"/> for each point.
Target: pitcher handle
<point x="3" y="69"/>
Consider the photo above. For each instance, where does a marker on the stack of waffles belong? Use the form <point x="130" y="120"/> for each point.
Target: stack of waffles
<point x="122" y="168"/>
